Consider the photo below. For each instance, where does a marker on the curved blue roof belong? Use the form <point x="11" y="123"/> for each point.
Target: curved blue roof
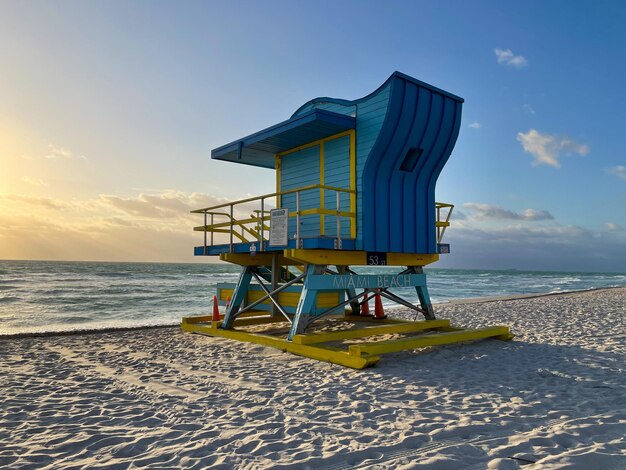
<point x="258" y="149"/>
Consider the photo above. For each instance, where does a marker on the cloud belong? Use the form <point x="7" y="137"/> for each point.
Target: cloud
<point x="506" y="57"/>
<point x="44" y="202"/>
<point x="145" y="227"/>
<point x="34" y="181"/>
<point x="488" y="211"/>
<point x="612" y="227"/>
<point x="547" y="148"/>
<point x="520" y="243"/>
<point x="619" y="171"/>
<point x="475" y="125"/>
<point x="167" y="204"/>
<point x="60" y="152"/>
<point x="458" y="215"/>
<point x="528" y="108"/>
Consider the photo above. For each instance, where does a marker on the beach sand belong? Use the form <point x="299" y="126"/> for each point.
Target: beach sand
<point x="555" y="397"/>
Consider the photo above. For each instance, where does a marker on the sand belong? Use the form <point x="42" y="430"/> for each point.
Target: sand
<point x="555" y="397"/>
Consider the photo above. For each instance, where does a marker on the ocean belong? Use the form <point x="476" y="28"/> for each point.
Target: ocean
<point x="50" y="296"/>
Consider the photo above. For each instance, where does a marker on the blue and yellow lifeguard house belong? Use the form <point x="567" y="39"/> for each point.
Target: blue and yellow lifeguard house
<point x="355" y="186"/>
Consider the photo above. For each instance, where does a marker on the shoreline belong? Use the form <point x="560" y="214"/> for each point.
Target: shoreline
<point x="468" y="301"/>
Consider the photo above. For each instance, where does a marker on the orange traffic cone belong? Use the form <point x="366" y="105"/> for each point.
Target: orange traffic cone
<point x="216" y="310"/>
<point x="365" y="308"/>
<point x="379" y="313"/>
<point x="227" y="303"/>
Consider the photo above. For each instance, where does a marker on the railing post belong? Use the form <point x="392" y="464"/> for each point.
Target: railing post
<point x="338" y="220"/>
<point x="231" y="228"/>
<point x="261" y="248"/>
<point x="205" y="248"/>
<point x="436" y="223"/>
<point x="297" y="220"/>
<point x="211" y="230"/>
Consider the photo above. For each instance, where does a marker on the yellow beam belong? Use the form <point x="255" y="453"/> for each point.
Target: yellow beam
<point x="241" y="222"/>
<point x="353" y="182"/>
<point x="260" y="259"/>
<point x="425" y="341"/>
<point x="357" y="258"/>
<point x="322" y="205"/>
<point x="278" y="176"/>
<point x="314" y="352"/>
<point x="321" y="211"/>
<point x="255" y="314"/>
<point x="324" y="337"/>
<point x="314" y="143"/>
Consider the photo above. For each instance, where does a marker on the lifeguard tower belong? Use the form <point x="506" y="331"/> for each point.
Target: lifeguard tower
<point x="355" y="186"/>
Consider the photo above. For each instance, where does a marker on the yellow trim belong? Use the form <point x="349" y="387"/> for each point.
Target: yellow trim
<point x="256" y="198"/>
<point x="325" y="337"/>
<point x="357" y="258"/>
<point x="322" y="189"/>
<point x="425" y="341"/>
<point x="353" y="182"/>
<point x="261" y="259"/>
<point x="277" y="164"/>
<point x="321" y="143"/>
<point x="314" y="143"/>
<point x="314" y="352"/>
<point x="357" y="356"/>
<point x="317" y="210"/>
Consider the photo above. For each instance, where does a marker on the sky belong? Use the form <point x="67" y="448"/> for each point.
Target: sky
<point x="109" y="111"/>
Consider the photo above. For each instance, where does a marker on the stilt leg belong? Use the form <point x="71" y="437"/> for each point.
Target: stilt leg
<point x="424" y="298"/>
<point x="239" y="295"/>
<point x="307" y="303"/>
<point x="275" y="278"/>
<point x="354" y="305"/>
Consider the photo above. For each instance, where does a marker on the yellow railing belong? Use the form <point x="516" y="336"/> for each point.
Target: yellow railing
<point x="442" y="225"/>
<point x="253" y="228"/>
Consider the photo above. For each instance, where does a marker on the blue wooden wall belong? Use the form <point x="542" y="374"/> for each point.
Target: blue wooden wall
<point x="337" y="173"/>
<point x="370" y="113"/>
<point x="298" y="169"/>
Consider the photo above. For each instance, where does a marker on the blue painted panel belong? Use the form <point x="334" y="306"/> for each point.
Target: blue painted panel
<point x="364" y="281"/>
<point x="300" y="169"/>
<point x="316" y="243"/>
<point x="337" y="173"/>
<point x="370" y="113"/>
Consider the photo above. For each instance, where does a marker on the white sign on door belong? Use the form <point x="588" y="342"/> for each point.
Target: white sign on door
<point x="279" y="227"/>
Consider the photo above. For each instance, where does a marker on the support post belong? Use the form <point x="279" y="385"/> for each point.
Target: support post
<point x="239" y="295"/>
<point x="275" y="278"/>
<point x="338" y="196"/>
<point x="355" y="307"/>
<point x="231" y="228"/>
<point x="298" y="220"/>
<point x="262" y="227"/>
<point x="422" y="295"/>
<point x="307" y="302"/>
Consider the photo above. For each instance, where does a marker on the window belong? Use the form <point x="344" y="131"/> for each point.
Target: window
<point x="410" y="159"/>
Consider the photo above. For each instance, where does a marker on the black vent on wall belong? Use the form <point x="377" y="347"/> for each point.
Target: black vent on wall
<point x="410" y="159"/>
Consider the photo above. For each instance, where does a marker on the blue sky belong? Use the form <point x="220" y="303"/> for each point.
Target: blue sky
<point x="109" y="110"/>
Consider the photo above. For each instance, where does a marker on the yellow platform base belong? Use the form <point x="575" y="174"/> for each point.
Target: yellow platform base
<point x="338" y="339"/>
